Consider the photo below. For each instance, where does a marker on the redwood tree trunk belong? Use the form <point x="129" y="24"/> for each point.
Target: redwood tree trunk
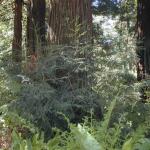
<point x="69" y="20"/>
<point x="30" y="31"/>
<point x="143" y="49"/>
<point x="36" y="26"/>
<point x="17" y="38"/>
<point x="70" y="23"/>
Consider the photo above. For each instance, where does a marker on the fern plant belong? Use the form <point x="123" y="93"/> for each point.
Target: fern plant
<point x="90" y="135"/>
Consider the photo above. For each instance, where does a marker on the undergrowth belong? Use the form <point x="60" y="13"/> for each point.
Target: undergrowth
<point x="86" y="136"/>
<point x="77" y="97"/>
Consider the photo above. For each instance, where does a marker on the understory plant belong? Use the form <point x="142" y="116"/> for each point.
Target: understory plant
<point x="60" y="87"/>
<point x="89" y="135"/>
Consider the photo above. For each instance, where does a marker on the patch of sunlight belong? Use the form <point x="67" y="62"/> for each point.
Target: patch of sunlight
<point x="89" y="142"/>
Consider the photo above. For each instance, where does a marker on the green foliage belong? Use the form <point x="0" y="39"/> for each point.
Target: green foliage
<point x="90" y="135"/>
<point x="143" y="144"/>
<point x="19" y="143"/>
<point x="137" y="141"/>
<point x="8" y="88"/>
<point x="71" y="83"/>
<point x="106" y="7"/>
<point x="114" y="60"/>
<point x="6" y="19"/>
<point x="60" y="86"/>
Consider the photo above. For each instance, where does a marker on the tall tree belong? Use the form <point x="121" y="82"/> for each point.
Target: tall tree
<point x="69" y="20"/>
<point x="143" y="50"/>
<point x="17" y="38"/>
<point x="70" y="23"/>
<point x="36" y="25"/>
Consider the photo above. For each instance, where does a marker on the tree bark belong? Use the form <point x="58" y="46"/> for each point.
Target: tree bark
<point x="143" y="46"/>
<point x="36" y="26"/>
<point x="69" y="21"/>
<point x="17" y="38"/>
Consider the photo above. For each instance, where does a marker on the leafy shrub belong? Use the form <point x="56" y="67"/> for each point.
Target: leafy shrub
<point x="60" y="87"/>
<point x="90" y="135"/>
<point x="8" y="88"/>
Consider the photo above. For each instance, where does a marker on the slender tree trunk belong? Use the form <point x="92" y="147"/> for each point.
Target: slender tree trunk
<point x="70" y="20"/>
<point x="30" y="30"/>
<point x="17" y="38"/>
<point x="36" y="26"/>
<point x="143" y="47"/>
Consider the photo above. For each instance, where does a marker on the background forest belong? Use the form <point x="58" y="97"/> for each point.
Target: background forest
<point x="74" y="75"/>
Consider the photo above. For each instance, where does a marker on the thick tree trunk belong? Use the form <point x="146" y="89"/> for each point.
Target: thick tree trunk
<point x="36" y="26"/>
<point x="70" y="21"/>
<point x="17" y="38"/>
<point x="143" y="47"/>
<point x="146" y="32"/>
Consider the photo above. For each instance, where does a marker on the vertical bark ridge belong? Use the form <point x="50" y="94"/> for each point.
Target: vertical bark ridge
<point x="62" y="19"/>
<point x="36" y="39"/>
<point x="17" y="38"/>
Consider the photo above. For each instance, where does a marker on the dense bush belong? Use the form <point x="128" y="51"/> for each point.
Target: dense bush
<point x="89" y="135"/>
<point x="59" y="88"/>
